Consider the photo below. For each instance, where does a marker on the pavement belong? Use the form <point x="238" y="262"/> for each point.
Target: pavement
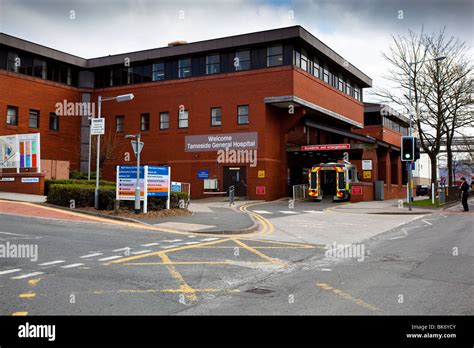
<point x="408" y="264"/>
<point x="210" y="215"/>
<point x="22" y="197"/>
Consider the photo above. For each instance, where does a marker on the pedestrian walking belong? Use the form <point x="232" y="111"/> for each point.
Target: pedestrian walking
<point x="464" y="193"/>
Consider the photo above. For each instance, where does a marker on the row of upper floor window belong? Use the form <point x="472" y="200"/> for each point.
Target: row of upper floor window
<point x="33" y="65"/>
<point x="226" y="62"/>
<point x="215" y="119"/>
<point x="13" y="117"/>
<point x="322" y="71"/>
<point x="178" y="68"/>
<point x="376" y="119"/>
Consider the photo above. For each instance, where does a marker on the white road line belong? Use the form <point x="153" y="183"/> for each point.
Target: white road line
<point x="399" y="237"/>
<point x="14" y="234"/>
<point x="110" y="258"/>
<point x="146" y="245"/>
<point x="27" y="275"/>
<point x="287" y="212"/>
<point x="262" y="212"/>
<point x="189" y="243"/>
<point x="121" y="249"/>
<point x="172" y="241"/>
<point x="427" y="222"/>
<point x="208" y="239"/>
<point x="313" y="211"/>
<point x="90" y="255"/>
<point x="51" y="263"/>
<point x="191" y="236"/>
<point x="10" y="271"/>
<point x="326" y="269"/>
<point x="169" y="246"/>
<point x="140" y="252"/>
<point x="72" y="265"/>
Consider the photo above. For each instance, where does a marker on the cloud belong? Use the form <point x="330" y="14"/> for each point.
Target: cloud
<point x="358" y="30"/>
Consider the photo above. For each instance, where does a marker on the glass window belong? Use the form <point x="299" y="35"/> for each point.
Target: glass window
<point x="158" y="71"/>
<point x="297" y="59"/>
<point x="326" y="74"/>
<point x="304" y="60"/>
<point x="275" y="55"/>
<point x="164" y="120"/>
<point x="340" y="85"/>
<point x="348" y="87"/>
<point x="183" y="119"/>
<point x="316" y="68"/>
<point x="34" y="119"/>
<point x="120" y="124"/>
<point x="39" y="68"/>
<point x="147" y="73"/>
<point x="184" y="67"/>
<point x="145" y="122"/>
<point x="212" y="64"/>
<point x="356" y="92"/>
<point x="12" y="115"/>
<point x="216" y="117"/>
<point x="13" y="62"/>
<point x="242" y="60"/>
<point x="243" y="114"/>
<point x="53" y="121"/>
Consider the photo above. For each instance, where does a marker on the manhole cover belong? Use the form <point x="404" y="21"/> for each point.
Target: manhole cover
<point x="259" y="291"/>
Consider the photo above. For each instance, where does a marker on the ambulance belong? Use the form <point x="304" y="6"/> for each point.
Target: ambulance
<point x="332" y="179"/>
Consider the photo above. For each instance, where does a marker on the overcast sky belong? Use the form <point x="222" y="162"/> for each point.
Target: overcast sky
<point x="359" y="30"/>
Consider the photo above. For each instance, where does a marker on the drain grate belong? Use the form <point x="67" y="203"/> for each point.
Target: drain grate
<point x="259" y="291"/>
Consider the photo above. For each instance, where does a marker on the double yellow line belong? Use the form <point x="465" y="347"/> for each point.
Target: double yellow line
<point x="267" y="226"/>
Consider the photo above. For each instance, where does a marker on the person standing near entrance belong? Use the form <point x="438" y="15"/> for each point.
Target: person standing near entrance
<point x="464" y="193"/>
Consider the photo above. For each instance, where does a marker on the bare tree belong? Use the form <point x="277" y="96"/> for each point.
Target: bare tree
<point x="438" y="100"/>
<point x="111" y="148"/>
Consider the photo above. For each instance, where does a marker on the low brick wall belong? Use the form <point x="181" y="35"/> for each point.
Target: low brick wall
<point x="367" y="192"/>
<point x="29" y="183"/>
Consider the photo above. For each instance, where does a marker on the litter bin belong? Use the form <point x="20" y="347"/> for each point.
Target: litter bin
<point x="379" y="190"/>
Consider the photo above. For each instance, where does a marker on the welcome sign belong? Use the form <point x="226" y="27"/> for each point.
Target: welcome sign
<point x="215" y="142"/>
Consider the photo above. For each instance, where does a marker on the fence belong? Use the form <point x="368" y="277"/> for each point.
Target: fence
<point x="300" y="192"/>
<point x="447" y="194"/>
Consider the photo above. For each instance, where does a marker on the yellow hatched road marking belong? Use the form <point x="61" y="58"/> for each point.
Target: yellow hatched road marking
<point x="20" y="313"/>
<point x="259" y="253"/>
<point x="28" y="295"/>
<point x="184" y="287"/>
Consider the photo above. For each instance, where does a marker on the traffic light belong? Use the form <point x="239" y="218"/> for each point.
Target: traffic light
<point x="417" y="148"/>
<point x="408" y="148"/>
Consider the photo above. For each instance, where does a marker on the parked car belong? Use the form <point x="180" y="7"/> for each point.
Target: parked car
<point x="422" y="190"/>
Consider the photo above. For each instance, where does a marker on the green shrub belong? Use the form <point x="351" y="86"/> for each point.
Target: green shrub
<point x="49" y="182"/>
<point x="77" y="175"/>
<point x="83" y="195"/>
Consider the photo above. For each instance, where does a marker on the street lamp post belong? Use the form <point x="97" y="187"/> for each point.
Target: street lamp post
<point x="409" y="164"/>
<point x="119" y="98"/>
<point x="137" y="183"/>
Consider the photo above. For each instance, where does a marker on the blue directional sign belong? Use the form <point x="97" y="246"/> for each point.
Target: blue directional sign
<point x="203" y="174"/>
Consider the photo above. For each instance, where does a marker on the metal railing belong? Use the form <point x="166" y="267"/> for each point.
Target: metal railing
<point x="300" y="192"/>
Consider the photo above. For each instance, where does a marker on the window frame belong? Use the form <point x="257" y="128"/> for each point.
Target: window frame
<point x="37" y="118"/>
<point x="145" y="116"/>
<point x="212" y="65"/>
<point x="53" y="116"/>
<point x="156" y="72"/>
<point x="183" y="112"/>
<point x="243" y="115"/>
<point x="273" y="55"/>
<point x="120" y="127"/>
<point x="16" y="117"/>
<point x="239" y="67"/>
<point x="181" y="68"/>
<point x="215" y="117"/>
<point x="164" y="122"/>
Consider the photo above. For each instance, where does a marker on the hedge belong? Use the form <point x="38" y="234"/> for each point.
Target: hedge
<point x="49" y="182"/>
<point x="83" y="195"/>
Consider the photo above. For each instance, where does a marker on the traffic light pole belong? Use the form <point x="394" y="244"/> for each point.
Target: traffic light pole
<point x="409" y="165"/>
